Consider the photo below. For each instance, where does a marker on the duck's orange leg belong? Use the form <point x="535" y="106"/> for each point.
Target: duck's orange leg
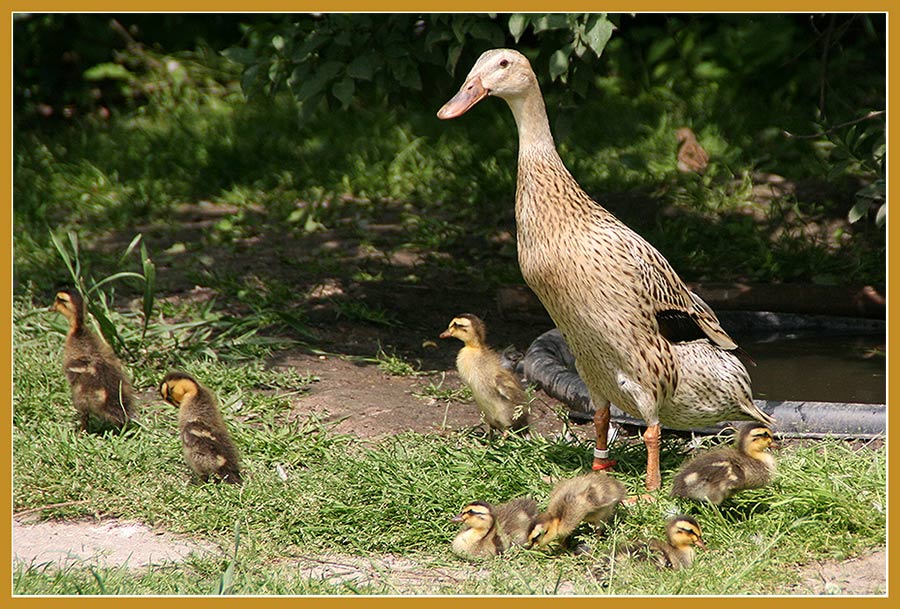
<point x="601" y="452"/>
<point x="651" y="441"/>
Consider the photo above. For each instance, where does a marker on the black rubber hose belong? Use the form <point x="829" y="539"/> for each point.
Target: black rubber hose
<point x="550" y="365"/>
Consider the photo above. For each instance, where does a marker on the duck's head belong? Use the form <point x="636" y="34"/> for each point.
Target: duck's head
<point x="684" y="134"/>
<point x="755" y="439"/>
<point x="70" y="304"/>
<point x="543" y="531"/>
<point x="477" y="515"/>
<point x="468" y="328"/>
<point x="684" y="532"/>
<point x="176" y="386"/>
<point x="503" y="73"/>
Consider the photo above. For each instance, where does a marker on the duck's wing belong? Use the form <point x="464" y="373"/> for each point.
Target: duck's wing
<point x="681" y="315"/>
<point x="509" y="388"/>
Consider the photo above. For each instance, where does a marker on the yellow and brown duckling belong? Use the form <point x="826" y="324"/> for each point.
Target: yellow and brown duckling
<point x="691" y="155"/>
<point x="620" y="305"/>
<point x="489" y="530"/>
<point x="719" y="473"/>
<point x="682" y="533"/>
<point x="497" y="391"/>
<point x="205" y="441"/>
<point x="591" y="497"/>
<point x="101" y="392"/>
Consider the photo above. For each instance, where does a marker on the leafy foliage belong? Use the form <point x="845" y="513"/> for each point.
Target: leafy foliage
<point x="344" y="59"/>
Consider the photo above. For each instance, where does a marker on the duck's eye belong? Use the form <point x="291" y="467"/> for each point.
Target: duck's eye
<point x="504" y="63"/>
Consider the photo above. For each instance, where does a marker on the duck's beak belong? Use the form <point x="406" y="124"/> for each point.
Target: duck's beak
<point x="457" y="518"/>
<point x="445" y="334"/>
<point x="470" y="94"/>
<point x="700" y="544"/>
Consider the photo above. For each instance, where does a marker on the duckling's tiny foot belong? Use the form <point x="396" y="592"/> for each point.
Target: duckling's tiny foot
<point x="601" y="464"/>
<point x="641" y="497"/>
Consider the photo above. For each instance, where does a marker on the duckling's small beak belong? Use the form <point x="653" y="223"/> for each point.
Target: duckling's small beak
<point x="445" y="334"/>
<point x="470" y="94"/>
<point x="700" y="544"/>
<point x="457" y="518"/>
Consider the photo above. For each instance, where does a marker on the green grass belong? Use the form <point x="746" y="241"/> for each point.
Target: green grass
<point x="395" y="497"/>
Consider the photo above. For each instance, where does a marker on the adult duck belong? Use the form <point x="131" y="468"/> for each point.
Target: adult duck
<point x="617" y="301"/>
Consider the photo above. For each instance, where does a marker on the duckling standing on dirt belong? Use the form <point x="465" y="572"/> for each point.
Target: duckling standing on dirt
<point x="682" y="532"/>
<point x="205" y="441"/>
<point x="591" y="497"/>
<point x="491" y="530"/>
<point x="497" y="391"/>
<point x="100" y="390"/>
<point x="717" y="474"/>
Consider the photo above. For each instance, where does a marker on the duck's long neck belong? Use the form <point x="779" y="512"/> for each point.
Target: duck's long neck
<point x="539" y="161"/>
<point x="531" y="121"/>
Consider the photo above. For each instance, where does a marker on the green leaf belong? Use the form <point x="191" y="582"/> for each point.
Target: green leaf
<point x="599" y="34"/>
<point x="149" y="287"/>
<point x="363" y="67"/>
<point x="559" y="64"/>
<point x="881" y="216"/>
<point x="107" y="71"/>
<point x="518" y="23"/>
<point x="240" y="55"/>
<point x="344" y="90"/>
<point x="552" y="21"/>
<point x="858" y="211"/>
<point x="659" y="49"/>
<point x="709" y="70"/>
<point x="453" y="57"/>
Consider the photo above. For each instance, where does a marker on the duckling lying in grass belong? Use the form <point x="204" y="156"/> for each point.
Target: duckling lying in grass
<point x="205" y="441"/>
<point x="101" y="393"/>
<point x="592" y="497"/>
<point x="491" y="530"/>
<point x="682" y="533"/>
<point x="497" y="391"/>
<point x="717" y="474"/>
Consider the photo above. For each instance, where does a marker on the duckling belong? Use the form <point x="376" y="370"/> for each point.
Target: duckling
<point x="100" y="390"/>
<point x="591" y="497"/>
<point x="682" y="533"/>
<point x="491" y="530"/>
<point x="497" y="391"/>
<point x="691" y="155"/>
<point x="206" y="443"/>
<point x="717" y="474"/>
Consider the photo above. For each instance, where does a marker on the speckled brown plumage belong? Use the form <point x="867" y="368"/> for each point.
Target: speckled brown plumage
<point x="206" y="444"/>
<point x="717" y="474"/>
<point x="691" y="155"/>
<point x="591" y="497"/>
<point x="677" y="552"/>
<point x="619" y="304"/>
<point x="489" y="530"/>
<point x="498" y="393"/>
<point x="101" y="392"/>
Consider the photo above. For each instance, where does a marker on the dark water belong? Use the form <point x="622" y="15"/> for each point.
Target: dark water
<point x="821" y="369"/>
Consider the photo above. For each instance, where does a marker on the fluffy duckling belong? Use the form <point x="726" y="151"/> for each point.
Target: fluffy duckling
<point x="497" y="391"/>
<point x="682" y="533"/>
<point x="691" y="155"/>
<point x="206" y="443"/>
<point x="100" y="390"/>
<point x="591" y="497"/>
<point x="491" y="530"/>
<point x="717" y="474"/>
